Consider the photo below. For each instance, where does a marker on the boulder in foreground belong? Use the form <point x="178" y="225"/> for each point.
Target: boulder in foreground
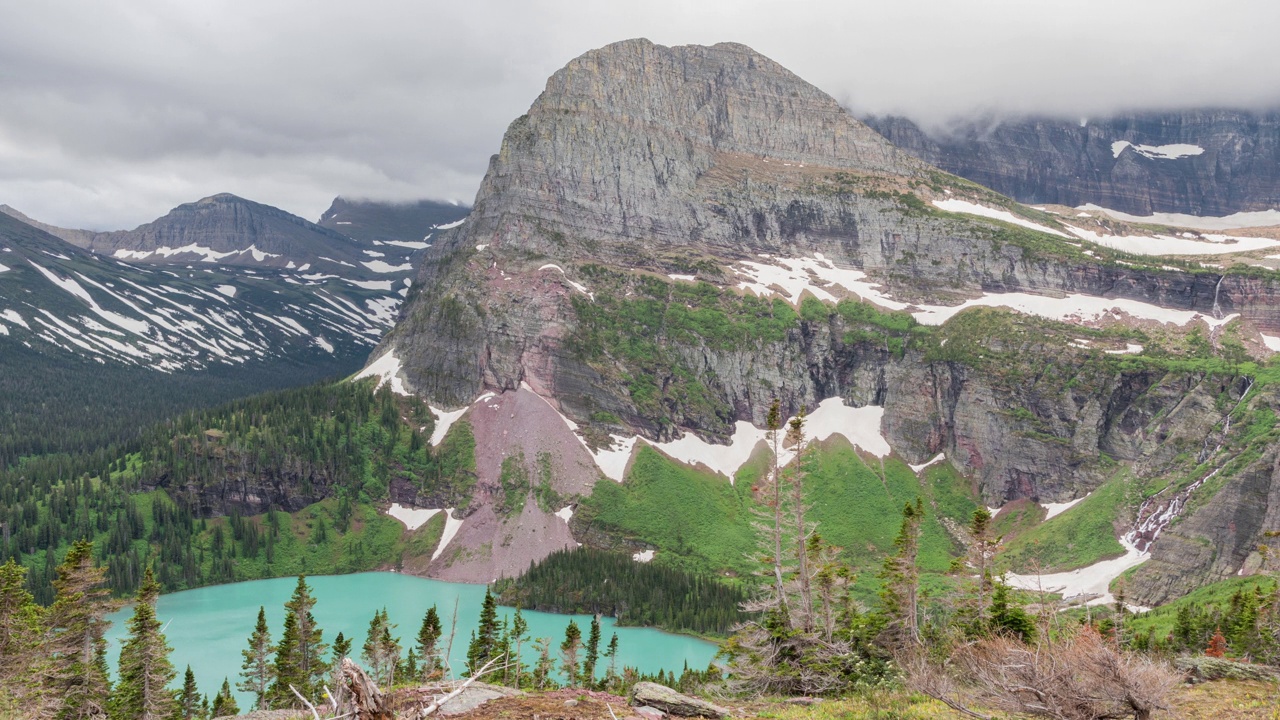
<point x="670" y="701"/>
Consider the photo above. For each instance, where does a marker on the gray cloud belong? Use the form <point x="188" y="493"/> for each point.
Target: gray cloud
<point x="111" y="113"/>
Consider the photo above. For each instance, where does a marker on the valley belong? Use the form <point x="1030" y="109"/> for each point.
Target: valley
<point x="707" y="353"/>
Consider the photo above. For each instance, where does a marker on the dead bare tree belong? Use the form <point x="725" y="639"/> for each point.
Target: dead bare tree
<point x="367" y="700"/>
<point x="485" y="669"/>
<point x="1078" y="677"/>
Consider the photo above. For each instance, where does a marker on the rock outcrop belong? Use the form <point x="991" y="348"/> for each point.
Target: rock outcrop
<point x="647" y="694"/>
<point x="1196" y="162"/>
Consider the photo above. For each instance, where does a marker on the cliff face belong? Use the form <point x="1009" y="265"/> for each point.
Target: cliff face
<point x="1197" y="162"/>
<point x="607" y="267"/>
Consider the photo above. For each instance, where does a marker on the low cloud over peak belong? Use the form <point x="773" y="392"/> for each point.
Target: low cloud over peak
<point x="110" y="116"/>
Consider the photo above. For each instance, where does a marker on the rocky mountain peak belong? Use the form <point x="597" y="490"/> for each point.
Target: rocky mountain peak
<point x="726" y="97"/>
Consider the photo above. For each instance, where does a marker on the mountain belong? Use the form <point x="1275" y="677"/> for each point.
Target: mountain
<point x="397" y="224"/>
<point x="80" y="332"/>
<point x="671" y="238"/>
<point x="228" y="230"/>
<point x="1194" y="162"/>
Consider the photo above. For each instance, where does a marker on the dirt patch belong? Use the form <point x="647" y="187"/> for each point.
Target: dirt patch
<point x="522" y="425"/>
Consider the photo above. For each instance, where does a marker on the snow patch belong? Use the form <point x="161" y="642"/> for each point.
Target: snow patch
<point x="384" y="285"/>
<point x="861" y="426"/>
<point x="686" y="278"/>
<point x="917" y="469"/>
<point x="228" y="290"/>
<point x="325" y="344"/>
<point x="13" y="317"/>
<point x="386" y="369"/>
<point x="451" y="526"/>
<point x="968" y="208"/>
<point x="643" y="556"/>
<point x="413" y="518"/>
<point x="1271" y="341"/>
<point x="444" y="421"/>
<point x="449" y="226"/>
<point x="71" y="286"/>
<point x="576" y="286"/>
<point x="565" y="513"/>
<point x="1070" y="308"/>
<point x="1056" y="509"/>
<point x="4" y="268"/>
<point x="815" y="275"/>
<point x="1092" y="580"/>
<point x="380" y="266"/>
<point x="1157" y="152"/>
<point x="411" y="244"/>
<point x="1172" y="245"/>
<point x="1129" y="349"/>
<point x="1256" y="218"/>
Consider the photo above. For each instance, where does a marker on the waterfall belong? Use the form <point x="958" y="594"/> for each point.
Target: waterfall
<point x="1154" y="514"/>
<point x="1217" y="309"/>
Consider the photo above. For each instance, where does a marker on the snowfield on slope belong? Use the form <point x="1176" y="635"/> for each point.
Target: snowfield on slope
<point x="1170" y="245"/>
<point x="968" y="208"/>
<point x="1094" y="579"/>
<point x="790" y="278"/>
<point x="859" y="425"/>
<point x="413" y="518"/>
<point x="387" y="369"/>
<point x="1251" y="219"/>
<point x="1175" y="151"/>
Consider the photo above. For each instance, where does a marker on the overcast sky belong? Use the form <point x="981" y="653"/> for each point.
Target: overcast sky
<point x="113" y="112"/>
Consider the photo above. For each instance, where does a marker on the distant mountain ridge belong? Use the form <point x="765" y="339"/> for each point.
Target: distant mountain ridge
<point x="228" y="230"/>
<point x="224" y="294"/>
<point x="387" y="223"/>
<point x="1210" y="162"/>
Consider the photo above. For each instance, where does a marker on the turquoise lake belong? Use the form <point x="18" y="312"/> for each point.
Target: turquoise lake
<point x="208" y="627"/>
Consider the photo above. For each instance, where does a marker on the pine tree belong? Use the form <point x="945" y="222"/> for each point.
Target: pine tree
<point x="24" y="665"/>
<point x="76" y="625"/>
<point x="611" y="673"/>
<point x="593" y="652"/>
<point x="1217" y="645"/>
<point x="381" y="652"/>
<point x="224" y="703"/>
<point x="1008" y="618"/>
<point x="300" y="655"/>
<point x="145" y="672"/>
<point x="802" y="612"/>
<point x="981" y="549"/>
<point x="484" y="645"/>
<point x="901" y="577"/>
<point x="341" y="648"/>
<point x="519" y="631"/>
<point x="189" y="697"/>
<point x="409" y="668"/>
<point x="428" y="641"/>
<point x="774" y="424"/>
<point x="257" y="670"/>
<point x="544" y="666"/>
<point x="569" y="649"/>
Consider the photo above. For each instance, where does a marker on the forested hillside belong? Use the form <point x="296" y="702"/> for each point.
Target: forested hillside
<point x="587" y="580"/>
<point x="66" y="404"/>
<point x="276" y="484"/>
